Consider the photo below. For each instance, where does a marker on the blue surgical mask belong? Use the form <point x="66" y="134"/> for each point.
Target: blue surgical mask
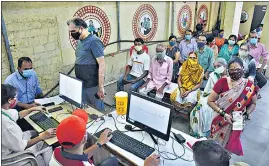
<point x="253" y="41"/>
<point x="172" y="43"/>
<point x="221" y="35"/>
<point x="231" y="42"/>
<point x="28" y="73"/>
<point x="200" y="44"/>
<point x="188" y="37"/>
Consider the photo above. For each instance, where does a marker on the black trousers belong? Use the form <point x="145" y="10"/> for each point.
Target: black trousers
<point x="261" y="80"/>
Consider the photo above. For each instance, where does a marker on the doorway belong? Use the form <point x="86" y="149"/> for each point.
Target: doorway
<point x="258" y="15"/>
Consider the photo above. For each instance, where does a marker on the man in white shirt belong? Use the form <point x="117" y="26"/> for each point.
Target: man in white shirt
<point x="13" y="139"/>
<point x="137" y="69"/>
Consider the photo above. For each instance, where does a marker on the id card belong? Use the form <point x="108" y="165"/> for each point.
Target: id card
<point x="238" y="120"/>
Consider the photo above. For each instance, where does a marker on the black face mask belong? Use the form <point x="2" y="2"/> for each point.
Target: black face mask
<point x="236" y="75"/>
<point x="76" y="35"/>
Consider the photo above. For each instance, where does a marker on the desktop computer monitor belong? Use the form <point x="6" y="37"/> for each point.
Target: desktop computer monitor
<point x="71" y="90"/>
<point x="150" y="115"/>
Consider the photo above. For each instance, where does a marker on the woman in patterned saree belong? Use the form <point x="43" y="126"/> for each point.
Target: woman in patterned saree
<point x="202" y="113"/>
<point x="189" y="82"/>
<point x="229" y="99"/>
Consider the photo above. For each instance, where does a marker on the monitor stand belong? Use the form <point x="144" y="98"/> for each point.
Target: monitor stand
<point x="154" y="140"/>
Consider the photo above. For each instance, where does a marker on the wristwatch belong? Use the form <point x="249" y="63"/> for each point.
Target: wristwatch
<point x="99" y="145"/>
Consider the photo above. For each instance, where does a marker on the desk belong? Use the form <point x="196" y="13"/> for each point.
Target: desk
<point x="59" y="116"/>
<point x="146" y="139"/>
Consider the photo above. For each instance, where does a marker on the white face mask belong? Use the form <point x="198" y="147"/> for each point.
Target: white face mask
<point x="160" y="55"/>
<point x="243" y="53"/>
<point x="219" y="70"/>
<point x="138" y="48"/>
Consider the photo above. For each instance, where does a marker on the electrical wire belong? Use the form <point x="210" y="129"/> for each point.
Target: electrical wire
<point x="174" y="155"/>
<point x="91" y="124"/>
<point x="184" y="151"/>
<point x="188" y="148"/>
<point x="116" y="125"/>
<point x="118" y="120"/>
<point x="142" y="136"/>
<point x="97" y="128"/>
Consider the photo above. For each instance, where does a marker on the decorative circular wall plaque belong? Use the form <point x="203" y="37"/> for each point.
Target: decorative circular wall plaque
<point x="145" y="22"/>
<point x="244" y="17"/>
<point x="184" y="19"/>
<point x="97" y="21"/>
<point x="202" y="14"/>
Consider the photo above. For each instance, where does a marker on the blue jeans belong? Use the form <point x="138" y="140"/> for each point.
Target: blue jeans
<point x="90" y="99"/>
<point x="134" y="87"/>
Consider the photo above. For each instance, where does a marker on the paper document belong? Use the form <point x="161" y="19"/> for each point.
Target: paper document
<point x="170" y="88"/>
<point x="260" y="65"/>
<point x="56" y="99"/>
<point x="238" y="120"/>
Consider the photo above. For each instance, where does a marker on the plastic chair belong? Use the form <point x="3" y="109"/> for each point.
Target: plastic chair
<point x="25" y="158"/>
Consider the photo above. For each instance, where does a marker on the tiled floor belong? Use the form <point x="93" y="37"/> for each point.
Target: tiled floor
<point x="255" y="138"/>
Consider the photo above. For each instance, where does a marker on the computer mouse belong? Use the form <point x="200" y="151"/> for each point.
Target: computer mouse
<point x="109" y="134"/>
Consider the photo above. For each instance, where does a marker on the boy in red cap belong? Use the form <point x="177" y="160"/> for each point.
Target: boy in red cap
<point x="72" y="136"/>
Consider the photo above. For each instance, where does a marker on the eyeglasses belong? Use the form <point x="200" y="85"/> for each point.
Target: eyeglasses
<point x="254" y="37"/>
<point x="137" y="44"/>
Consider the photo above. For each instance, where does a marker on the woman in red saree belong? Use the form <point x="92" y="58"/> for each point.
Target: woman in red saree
<point x="229" y="99"/>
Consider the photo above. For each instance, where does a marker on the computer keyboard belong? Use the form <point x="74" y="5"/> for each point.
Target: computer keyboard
<point x="55" y="109"/>
<point x="43" y="121"/>
<point x="129" y="144"/>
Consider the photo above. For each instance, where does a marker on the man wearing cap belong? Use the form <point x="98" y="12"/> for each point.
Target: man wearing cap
<point x="72" y="135"/>
<point x="160" y="73"/>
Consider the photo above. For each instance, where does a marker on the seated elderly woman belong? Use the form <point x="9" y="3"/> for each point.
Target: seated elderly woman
<point x="189" y="82"/>
<point x="201" y="115"/>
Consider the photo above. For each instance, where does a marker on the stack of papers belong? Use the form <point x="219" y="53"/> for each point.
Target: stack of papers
<point x="56" y="99"/>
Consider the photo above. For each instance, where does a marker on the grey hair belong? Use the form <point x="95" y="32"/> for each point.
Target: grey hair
<point x="78" y="22"/>
<point x="221" y="61"/>
<point x="245" y="44"/>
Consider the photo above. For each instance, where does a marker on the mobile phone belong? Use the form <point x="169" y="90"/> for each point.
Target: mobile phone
<point x="96" y="95"/>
